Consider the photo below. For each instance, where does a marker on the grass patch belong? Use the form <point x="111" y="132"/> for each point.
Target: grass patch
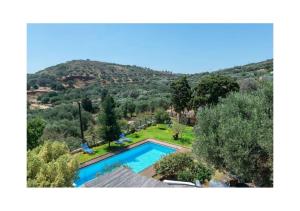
<point x="160" y="132"/>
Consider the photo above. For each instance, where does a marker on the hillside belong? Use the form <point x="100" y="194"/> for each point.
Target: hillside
<point x="70" y="81"/>
<point x="53" y="91"/>
<point x="80" y="73"/>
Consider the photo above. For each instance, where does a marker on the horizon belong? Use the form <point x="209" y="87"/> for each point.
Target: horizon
<point x="149" y="67"/>
<point x="178" y="48"/>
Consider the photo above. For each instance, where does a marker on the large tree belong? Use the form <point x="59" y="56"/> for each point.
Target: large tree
<point x="109" y="128"/>
<point x="51" y="165"/>
<point x="35" y="128"/>
<point x="181" y="95"/>
<point x="237" y="135"/>
<point x="211" y="88"/>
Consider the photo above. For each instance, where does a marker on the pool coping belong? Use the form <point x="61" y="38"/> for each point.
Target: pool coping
<point x="110" y="154"/>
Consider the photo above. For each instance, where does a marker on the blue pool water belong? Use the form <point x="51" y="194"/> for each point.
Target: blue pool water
<point x="137" y="159"/>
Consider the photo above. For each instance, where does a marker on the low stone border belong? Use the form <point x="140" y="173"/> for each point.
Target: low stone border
<point x="102" y="157"/>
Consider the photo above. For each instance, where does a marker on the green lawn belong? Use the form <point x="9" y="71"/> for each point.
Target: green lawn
<point x="160" y="132"/>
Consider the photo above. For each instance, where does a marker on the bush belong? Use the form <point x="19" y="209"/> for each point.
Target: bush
<point x="35" y="128"/>
<point x="170" y="165"/>
<point x="248" y="84"/>
<point x="161" y="117"/>
<point x="51" y="165"/>
<point x="45" y="100"/>
<point x="197" y="172"/>
<point x="181" y="166"/>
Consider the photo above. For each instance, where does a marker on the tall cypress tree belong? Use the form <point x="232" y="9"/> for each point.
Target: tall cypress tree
<point x="181" y="95"/>
<point x="110" y="130"/>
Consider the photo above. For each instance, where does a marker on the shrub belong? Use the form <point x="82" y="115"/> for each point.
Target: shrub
<point x="35" y="128"/>
<point x="170" y="165"/>
<point x="161" y="116"/>
<point x="181" y="166"/>
<point x="45" y="100"/>
<point x="248" y="84"/>
<point x="51" y="165"/>
<point x="197" y="172"/>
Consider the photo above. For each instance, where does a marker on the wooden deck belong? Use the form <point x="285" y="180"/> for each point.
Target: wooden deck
<point x="124" y="177"/>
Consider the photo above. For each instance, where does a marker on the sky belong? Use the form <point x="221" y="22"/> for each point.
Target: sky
<point x="180" y="48"/>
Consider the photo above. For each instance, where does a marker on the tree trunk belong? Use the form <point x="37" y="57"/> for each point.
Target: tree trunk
<point x="179" y="117"/>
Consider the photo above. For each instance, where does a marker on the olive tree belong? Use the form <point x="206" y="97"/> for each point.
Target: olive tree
<point x="51" y="165"/>
<point x="237" y="135"/>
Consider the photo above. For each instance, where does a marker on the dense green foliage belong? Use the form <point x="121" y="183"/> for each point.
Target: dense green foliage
<point x="170" y="165"/>
<point x="35" y="128"/>
<point x="178" y="130"/>
<point x="197" y="171"/>
<point x="62" y="123"/>
<point x="87" y="104"/>
<point x="51" y="165"/>
<point x="162" y="117"/>
<point x="181" y="94"/>
<point x="138" y="93"/>
<point x="181" y="166"/>
<point x="237" y="135"/>
<point x="211" y="88"/>
<point x="109" y="130"/>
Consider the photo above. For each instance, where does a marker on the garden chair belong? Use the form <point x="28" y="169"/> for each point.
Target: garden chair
<point x="123" y="138"/>
<point x="86" y="148"/>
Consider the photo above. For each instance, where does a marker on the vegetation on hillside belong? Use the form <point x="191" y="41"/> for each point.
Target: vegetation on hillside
<point x="232" y="108"/>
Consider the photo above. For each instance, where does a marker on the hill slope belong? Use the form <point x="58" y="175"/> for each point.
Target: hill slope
<point x="79" y="73"/>
<point x="78" y="78"/>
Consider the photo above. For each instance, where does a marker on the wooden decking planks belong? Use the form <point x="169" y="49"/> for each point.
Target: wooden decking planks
<point x="124" y="177"/>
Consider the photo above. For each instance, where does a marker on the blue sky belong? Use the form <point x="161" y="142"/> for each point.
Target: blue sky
<point x="180" y="48"/>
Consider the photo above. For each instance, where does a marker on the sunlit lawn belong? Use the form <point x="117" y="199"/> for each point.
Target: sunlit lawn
<point x="160" y="132"/>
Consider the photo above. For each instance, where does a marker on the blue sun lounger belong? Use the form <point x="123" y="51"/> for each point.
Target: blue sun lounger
<point x="123" y="138"/>
<point x="86" y="148"/>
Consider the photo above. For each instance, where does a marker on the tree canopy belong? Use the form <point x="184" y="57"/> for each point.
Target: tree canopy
<point x="87" y="104"/>
<point x="109" y="127"/>
<point x="237" y="135"/>
<point x="51" y="165"/>
<point x="35" y="128"/>
<point x="180" y="94"/>
<point x="211" y="88"/>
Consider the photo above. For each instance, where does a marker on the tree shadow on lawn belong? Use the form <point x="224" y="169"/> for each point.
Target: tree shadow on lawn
<point x="184" y="140"/>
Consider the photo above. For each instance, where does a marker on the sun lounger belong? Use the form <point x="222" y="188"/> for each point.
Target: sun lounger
<point x="123" y="138"/>
<point x="86" y="148"/>
<point x="119" y="141"/>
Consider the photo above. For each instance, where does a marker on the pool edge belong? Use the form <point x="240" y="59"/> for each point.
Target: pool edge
<point x="110" y="154"/>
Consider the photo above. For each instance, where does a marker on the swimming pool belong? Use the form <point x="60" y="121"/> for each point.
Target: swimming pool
<point x="137" y="159"/>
